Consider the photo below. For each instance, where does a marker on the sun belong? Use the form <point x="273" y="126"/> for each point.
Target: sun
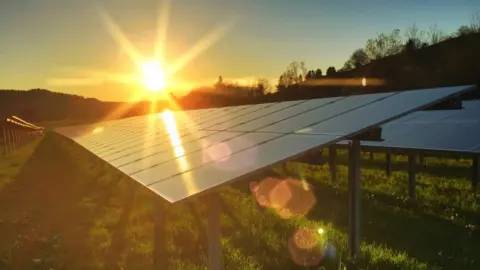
<point x="154" y="76"/>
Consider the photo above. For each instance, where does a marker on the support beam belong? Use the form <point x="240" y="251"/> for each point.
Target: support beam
<point x="373" y="134"/>
<point x="411" y="177"/>
<point x="13" y="143"/>
<point x="388" y="159"/>
<point x="5" y="141"/>
<point x="159" y="238"/>
<point x="354" y="194"/>
<point x="213" y="231"/>
<point x="421" y="160"/>
<point x="476" y="171"/>
<point x="332" y="156"/>
<point x="371" y="156"/>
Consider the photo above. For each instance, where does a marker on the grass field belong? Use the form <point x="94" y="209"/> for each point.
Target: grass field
<point x="62" y="208"/>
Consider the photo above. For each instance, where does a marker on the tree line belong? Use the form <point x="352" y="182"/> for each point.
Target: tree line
<point x="383" y="46"/>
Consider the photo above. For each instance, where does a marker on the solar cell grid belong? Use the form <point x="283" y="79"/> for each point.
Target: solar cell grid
<point x="475" y="149"/>
<point x="433" y="116"/>
<point x="471" y="112"/>
<point x="163" y="166"/>
<point x="230" y="116"/>
<point x="193" y="124"/>
<point x="269" y="119"/>
<point x="126" y="156"/>
<point x="108" y="139"/>
<point x="447" y="130"/>
<point x="137" y="143"/>
<point x="300" y="121"/>
<point x="170" y="163"/>
<point x="252" y="116"/>
<point x="183" y="185"/>
<point x="379" y="110"/>
<point x="454" y="137"/>
<point x="139" y="139"/>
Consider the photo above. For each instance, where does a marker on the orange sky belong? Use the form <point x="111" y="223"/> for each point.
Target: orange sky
<point x="51" y="43"/>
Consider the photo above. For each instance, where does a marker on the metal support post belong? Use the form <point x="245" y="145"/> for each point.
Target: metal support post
<point x="160" y="243"/>
<point x="5" y="141"/>
<point x="476" y="171"/>
<point x="354" y="193"/>
<point x="332" y="156"/>
<point x="214" y="232"/>
<point x="388" y="159"/>
<point x="12" y="139"/>
<point x="411" y="177"/>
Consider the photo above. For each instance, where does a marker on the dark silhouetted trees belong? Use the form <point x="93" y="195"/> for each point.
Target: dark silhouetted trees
<point x="294" y="73"/>
<point x="357" y="59"/>
<point x="384" y="45"/>
<point x="331" y="71"/>
<point x="314" y="74"/>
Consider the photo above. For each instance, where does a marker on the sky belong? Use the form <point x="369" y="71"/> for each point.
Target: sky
<point x="52" y="44"/>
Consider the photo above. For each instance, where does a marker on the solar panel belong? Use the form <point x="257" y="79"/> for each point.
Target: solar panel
<point x="241" y="164"/>
<point x="323" y="112"/>
<point x="377" y="112"/>
<point x="180" y="154"/>
<point x="449" y="130"/>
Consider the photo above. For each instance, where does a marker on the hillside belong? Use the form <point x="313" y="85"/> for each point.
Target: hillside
<point x="451" y="62"/>
<point x="39" y="105"/>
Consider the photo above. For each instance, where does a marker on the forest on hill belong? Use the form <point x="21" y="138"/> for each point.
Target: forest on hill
<point x="400" y="60"/>
<point x="39" y="105"/>
<point x="396" y="61"/>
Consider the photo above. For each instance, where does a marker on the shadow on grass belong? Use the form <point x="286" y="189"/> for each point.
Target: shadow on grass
<point x="60" y="195"/>
<point x="426" y="238"/>
<point x="12" y="163"/>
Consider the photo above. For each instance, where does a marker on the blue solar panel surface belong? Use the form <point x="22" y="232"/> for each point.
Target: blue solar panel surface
<point x="448" y="130"/>
<point x="179" y="154"/>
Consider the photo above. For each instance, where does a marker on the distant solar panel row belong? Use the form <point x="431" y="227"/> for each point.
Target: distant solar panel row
<point x="448" y="130"/>
<point x="182" y="153"/>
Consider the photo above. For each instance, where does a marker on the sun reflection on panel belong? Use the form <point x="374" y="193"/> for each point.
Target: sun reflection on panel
<point x="171" y="126"/>
<point x="97" y="130"/>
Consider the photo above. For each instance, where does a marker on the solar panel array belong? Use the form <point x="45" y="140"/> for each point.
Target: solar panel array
<point x="179" y="154"/>
<point x="447" y="130"/>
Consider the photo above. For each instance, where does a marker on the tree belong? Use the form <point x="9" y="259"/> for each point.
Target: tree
<point x="281" y="84"/>
<point x="331" y="71"/>
<point x="310" y="74"/>
<point x="294" y="74"/>
<point x="414" y="37"/>
<point x="263" y="86"/>
<point x="219" y="85"/>
<point x="464" y="30"/>
<point x="314" y="74"/>
<point x="475" y="23"/>
<point x="435" y="35"/>
<point x="384" y="45"/>
<point x="357" y="59"/>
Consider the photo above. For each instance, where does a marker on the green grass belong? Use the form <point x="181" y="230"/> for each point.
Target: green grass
<point x="63" y="208"/>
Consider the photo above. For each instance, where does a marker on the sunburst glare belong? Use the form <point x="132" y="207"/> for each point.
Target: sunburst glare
<point x="153" y="73"/>
<point x="154" y="76"/>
